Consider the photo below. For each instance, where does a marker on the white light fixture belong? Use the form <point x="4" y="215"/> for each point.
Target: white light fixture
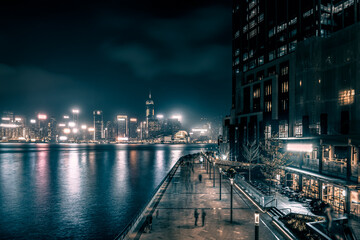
<point x="299" y="147"/>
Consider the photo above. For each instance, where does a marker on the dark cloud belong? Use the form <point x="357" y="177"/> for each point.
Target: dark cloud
<point x="108" y="55"/>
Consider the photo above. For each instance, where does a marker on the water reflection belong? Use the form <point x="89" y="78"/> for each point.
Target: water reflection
<point x="77" y="190"/>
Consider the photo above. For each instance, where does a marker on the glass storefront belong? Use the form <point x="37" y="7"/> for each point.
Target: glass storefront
<point x="355" y="202"/>
<point x="335" y="196"/>
<point x="310" y="187"/>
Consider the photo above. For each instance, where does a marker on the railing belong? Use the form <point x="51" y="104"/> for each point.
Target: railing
<point x="273" y="200"/>
<point x="138" y="215"/>
<point x="286" y="209"/>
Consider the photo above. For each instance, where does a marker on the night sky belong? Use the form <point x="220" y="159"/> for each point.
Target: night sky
<point x="56" y="55"/>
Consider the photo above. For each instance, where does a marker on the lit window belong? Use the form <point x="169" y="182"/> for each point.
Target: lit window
<point x="346" y="97"/>
<point x="267" y="90"/>
<point x="285" y="87"/>
<point x="261" y="60"/>
<point x="271" y="55"/>
<point x="245" y="56"/>
<point x="268" y="106"/>
<point x="257" y="93"/>
<point x="284" y="71"/>
<point x="282" y="51"/>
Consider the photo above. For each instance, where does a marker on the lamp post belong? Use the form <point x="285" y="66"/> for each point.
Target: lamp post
<point x="220" y="176"/>
<point x="207" y="160"/>
<point x="257" y="221"/>
<point x="210" y="170"/>
<point x="231" y="199"/>
<point x="214" y="174"/>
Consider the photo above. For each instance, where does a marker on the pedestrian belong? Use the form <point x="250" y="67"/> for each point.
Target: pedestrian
<point x="200" y="177"/>
<point x="203" y="215"/>
<point x="196" y="215"/>
<point x="150" y="222"/>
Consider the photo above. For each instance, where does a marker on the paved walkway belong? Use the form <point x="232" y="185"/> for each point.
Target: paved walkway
<point x="185" y="193"/>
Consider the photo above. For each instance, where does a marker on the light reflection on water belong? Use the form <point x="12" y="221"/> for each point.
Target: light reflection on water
<point x="78" y="190"/>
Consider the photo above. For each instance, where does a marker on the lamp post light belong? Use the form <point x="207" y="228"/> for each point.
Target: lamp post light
<point x="231" y="199"/>
<point x="257" y="221"/>
<point x="214" y="174"/>
<point x="220" y="176"/>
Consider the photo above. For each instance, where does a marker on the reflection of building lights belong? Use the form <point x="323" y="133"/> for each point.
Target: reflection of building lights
<point x="299" y="147"/>
<point x="83" y="127"/>
<point x="63" y="138"/>
<point x="66" y="117"/>
<point x="72" y="124"/>
<point x="42" y="116"/>
<point x="67" y="130"/>
<point x="32" y="121"/>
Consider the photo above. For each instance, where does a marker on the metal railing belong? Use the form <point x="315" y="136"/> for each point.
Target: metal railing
<point x="271" y="202"/>
<point x="138" y="215"/>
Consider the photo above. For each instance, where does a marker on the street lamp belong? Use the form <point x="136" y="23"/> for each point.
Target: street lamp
<point x="214" y="174"/>
<point x="257" y="221"/>
<point x="231" y="199"/>
<point x="220" y="182"/>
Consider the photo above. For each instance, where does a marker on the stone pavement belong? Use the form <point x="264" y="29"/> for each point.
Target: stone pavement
<point x="174" y="216"/>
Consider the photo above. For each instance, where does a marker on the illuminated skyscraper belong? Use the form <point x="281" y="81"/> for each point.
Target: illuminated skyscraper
<point x="98" y="125"/>
<point x="133" y="126"/>
<point x="150" y="112"/>
<point x="122" y="126"/>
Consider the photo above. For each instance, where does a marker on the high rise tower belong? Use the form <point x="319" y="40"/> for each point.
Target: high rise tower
<point x="150" y="113"/>
<point x="98" y="125"/>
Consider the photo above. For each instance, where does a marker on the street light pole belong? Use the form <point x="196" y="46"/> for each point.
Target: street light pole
<point x="220" y="176"/>
<point x="210" y="170"/>
<point x="214" y="174"/>
<point x="257" y="221"/>
<point x="231" y="199"/>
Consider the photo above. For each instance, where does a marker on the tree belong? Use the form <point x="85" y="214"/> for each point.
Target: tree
<point x="251" y="153"/>
<point x="273" y="158"/>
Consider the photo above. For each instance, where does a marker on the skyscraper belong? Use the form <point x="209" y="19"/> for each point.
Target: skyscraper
<point x="150" y="113"/>
<point x="133" y="126"/>
<point x="122" y="126"/>
<point x="98" y="125"/>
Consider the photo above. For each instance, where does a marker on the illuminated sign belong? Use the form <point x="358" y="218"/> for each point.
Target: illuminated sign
<point x="42" y="117"/>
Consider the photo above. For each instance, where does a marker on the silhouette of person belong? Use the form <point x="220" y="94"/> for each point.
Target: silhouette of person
<point x="200" y="177"/>
<point x="203" y="215"/>
<point x="196" y="216"/>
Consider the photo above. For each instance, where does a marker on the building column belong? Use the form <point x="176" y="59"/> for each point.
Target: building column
<point x="320" y="157"/>
<point x="348" y="163"/>
<point x="347" y="201"/>
<point x="300" y="182"/>
<point x="320" y="189"/>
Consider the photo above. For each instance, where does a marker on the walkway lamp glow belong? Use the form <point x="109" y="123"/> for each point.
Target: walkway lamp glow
<point x="231" y="199"/>
<point x="257" y="222"/>
<point x="220" y="176"/>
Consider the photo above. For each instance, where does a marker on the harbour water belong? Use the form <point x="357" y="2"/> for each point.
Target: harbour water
<point x="79" y="191"/>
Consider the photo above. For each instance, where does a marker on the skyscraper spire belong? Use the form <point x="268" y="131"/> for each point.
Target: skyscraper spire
<point x="149" y="94"/>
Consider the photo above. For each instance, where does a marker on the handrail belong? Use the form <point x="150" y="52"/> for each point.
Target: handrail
<point x="128" y="227"/>
<point x="286" y="209"/>
<point x="271" y="202"/>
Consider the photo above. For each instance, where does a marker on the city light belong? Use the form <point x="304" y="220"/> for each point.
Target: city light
<point x="75" y="111"/>
<point x="299" y="147"/>
<point x="67" y="130"/>
<point x="8" y="125"/>
<point x="160" y="116"/>
<point x="21" y="138"/>
<point x="66" y="117"/>
<point x="42" y="116"/>
<point x="178" y="117"/>
<point x="72" y="124"/>
<point x="91" y="129"/>
<point x="63" y="138"/>
<point x="62" y="124"/>
<point x="133" y="120"/>
<point x="121" y="119"/>
<point x="123" y="138"/>
<point x="32" y="121"/>
<point x="75" y="130"/>
<point x="18" y="119"/>
<point x="5" y="119"/>
<point x="83" y="127"/>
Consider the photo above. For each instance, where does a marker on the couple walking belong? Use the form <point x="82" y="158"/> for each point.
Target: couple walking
<point x="196" y="216"/>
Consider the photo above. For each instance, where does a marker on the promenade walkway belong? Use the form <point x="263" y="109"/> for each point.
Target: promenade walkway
<point x="173" y="217"/>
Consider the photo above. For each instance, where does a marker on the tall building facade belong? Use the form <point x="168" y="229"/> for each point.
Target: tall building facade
<point x="98" y="125"/>
<point x="133" y="128"/>
<point x="295" y="76"/>
<point x="150" y="114"/>
<point x="122" y="126"/>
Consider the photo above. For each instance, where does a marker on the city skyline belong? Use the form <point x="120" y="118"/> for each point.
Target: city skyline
<point x="108" y="55"/>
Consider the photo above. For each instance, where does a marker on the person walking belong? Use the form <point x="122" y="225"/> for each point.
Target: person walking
<point x="200" y="177"/>
<point x="196" y="216"/>
<point x="203" y="215"/>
